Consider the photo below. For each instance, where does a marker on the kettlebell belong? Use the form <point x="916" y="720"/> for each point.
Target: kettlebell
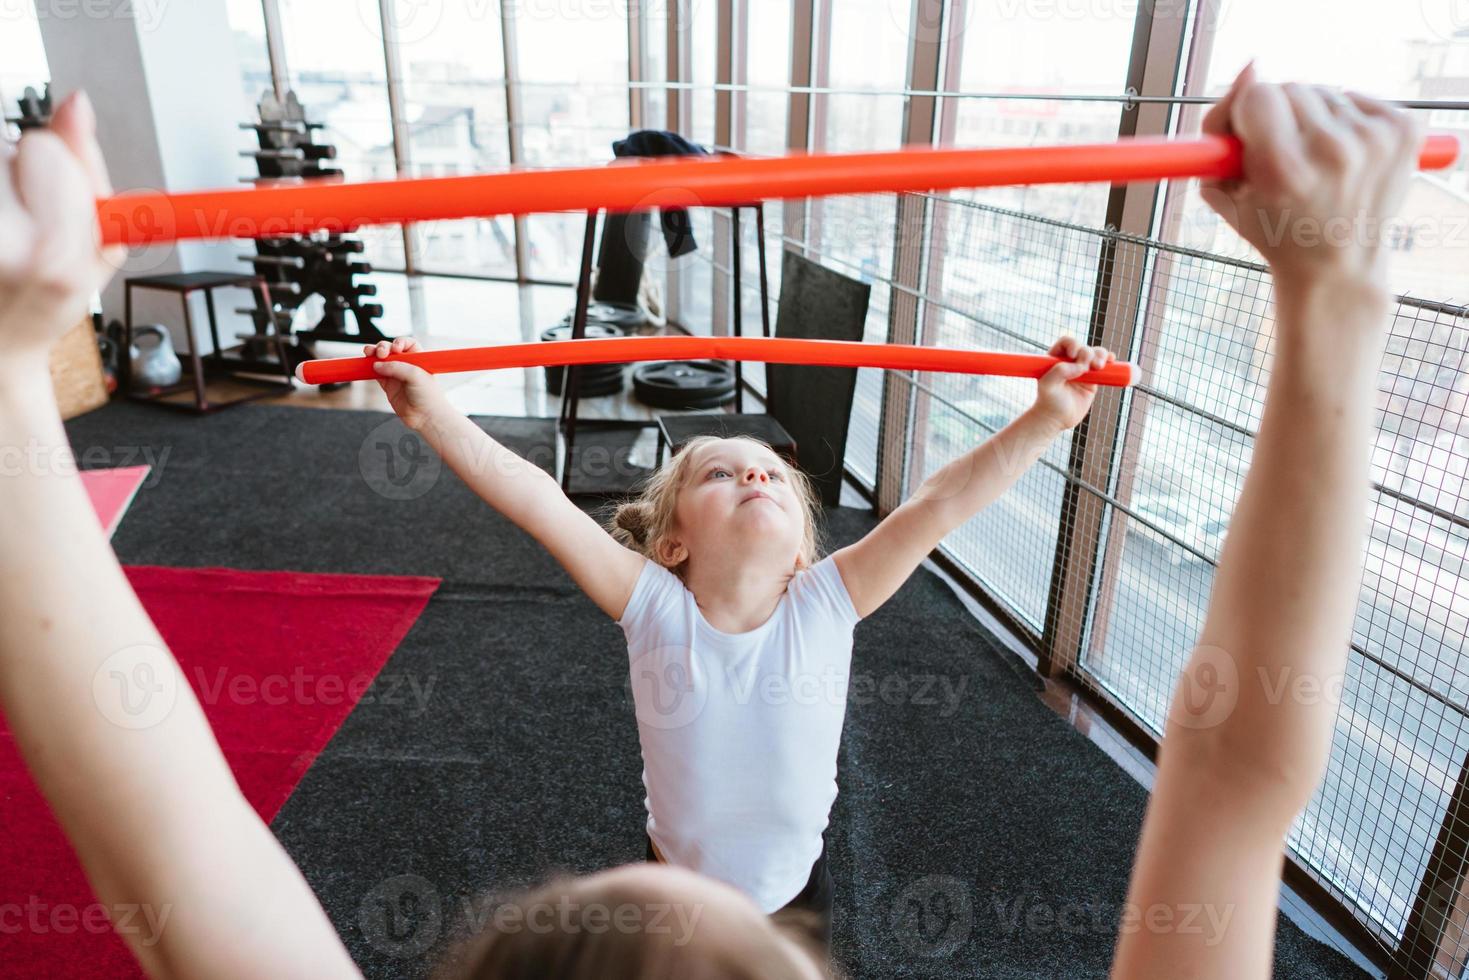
<point x="154" y="364"/>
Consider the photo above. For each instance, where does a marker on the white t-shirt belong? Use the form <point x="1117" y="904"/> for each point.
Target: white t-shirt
<point x="740" y="731"/>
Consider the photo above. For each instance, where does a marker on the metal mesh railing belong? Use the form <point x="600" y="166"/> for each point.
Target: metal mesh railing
<point x="1110" y="553"/>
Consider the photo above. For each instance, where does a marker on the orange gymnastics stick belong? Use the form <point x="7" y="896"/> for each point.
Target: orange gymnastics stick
<point x="776" y="350"/>
<point x="635" y="185"/>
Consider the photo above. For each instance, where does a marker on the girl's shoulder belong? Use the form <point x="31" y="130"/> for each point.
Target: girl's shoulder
<point x="821" y="585"/>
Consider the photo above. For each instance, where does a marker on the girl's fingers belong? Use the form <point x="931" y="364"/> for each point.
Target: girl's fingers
<point x="1065" y="347"/>
<point x="1066" y="370"/>
<point x="397" y="370"/>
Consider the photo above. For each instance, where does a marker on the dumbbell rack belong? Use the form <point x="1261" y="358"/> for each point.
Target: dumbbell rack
<point x="296" y="267"/>
<point x="35" y="110"/>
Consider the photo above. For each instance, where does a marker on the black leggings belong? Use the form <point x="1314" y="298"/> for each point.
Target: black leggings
<point x="816" y="897"/>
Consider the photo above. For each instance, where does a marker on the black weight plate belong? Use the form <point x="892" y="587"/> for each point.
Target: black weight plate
<point x="684" y="384"/>
<point x="693" y="379"/>
<point x="587" y="387"/>
<point x="590" y="374"/>
<point x="622" y="315"/>
<point x="595" y="331"/>
<point x="715" y="401"/>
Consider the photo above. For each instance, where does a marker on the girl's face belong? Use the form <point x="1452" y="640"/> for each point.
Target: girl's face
<point x="738" y="496"/>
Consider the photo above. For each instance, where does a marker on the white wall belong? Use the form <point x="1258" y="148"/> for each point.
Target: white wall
<point x="165" y="81"/>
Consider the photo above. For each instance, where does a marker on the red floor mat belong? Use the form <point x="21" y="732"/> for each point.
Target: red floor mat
<point x="279" y="659"/>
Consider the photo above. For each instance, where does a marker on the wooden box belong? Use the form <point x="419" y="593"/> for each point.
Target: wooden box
<point x="76" y="372"/>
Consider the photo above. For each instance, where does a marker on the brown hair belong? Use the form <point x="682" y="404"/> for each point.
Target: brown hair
<point x="579" y="945"/>
<point x="644" y="524"/>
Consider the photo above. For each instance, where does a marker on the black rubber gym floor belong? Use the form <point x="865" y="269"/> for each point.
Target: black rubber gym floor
<point x="976" y="834"/>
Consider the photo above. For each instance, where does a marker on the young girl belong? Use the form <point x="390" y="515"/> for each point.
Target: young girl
<point x="158" y="821"/>
<point x="739" y="636"/>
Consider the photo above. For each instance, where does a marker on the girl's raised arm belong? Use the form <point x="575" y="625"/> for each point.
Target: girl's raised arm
<point x="523" y="492"/>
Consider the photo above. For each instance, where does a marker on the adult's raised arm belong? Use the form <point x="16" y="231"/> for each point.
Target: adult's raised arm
<point x="139" y="786"/>
<point x="1251" y="722"/>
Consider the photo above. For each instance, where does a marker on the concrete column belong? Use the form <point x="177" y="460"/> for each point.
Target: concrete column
<point x="165" y="81"/>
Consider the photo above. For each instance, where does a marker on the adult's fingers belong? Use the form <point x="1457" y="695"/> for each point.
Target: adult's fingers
<point x="1275" y="156"/>
<point x="15" y="242"/>
<point x="1217" y="119"/>
<point x="76" y="123"/>
<point x="57" y="193"/>
<point x="1327" y="136"/>
<point x="1405" y="131"/>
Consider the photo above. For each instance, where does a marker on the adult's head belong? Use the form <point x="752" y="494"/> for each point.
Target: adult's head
<point x="637" y="922"/>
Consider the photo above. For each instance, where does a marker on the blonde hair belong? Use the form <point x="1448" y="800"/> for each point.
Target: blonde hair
<point x="644" y="524"/>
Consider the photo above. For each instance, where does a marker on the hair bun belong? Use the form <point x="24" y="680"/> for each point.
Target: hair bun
<point x="632" y="519"/>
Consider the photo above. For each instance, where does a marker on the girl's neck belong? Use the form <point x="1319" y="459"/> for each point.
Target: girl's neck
<point x="737" y="596"/>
